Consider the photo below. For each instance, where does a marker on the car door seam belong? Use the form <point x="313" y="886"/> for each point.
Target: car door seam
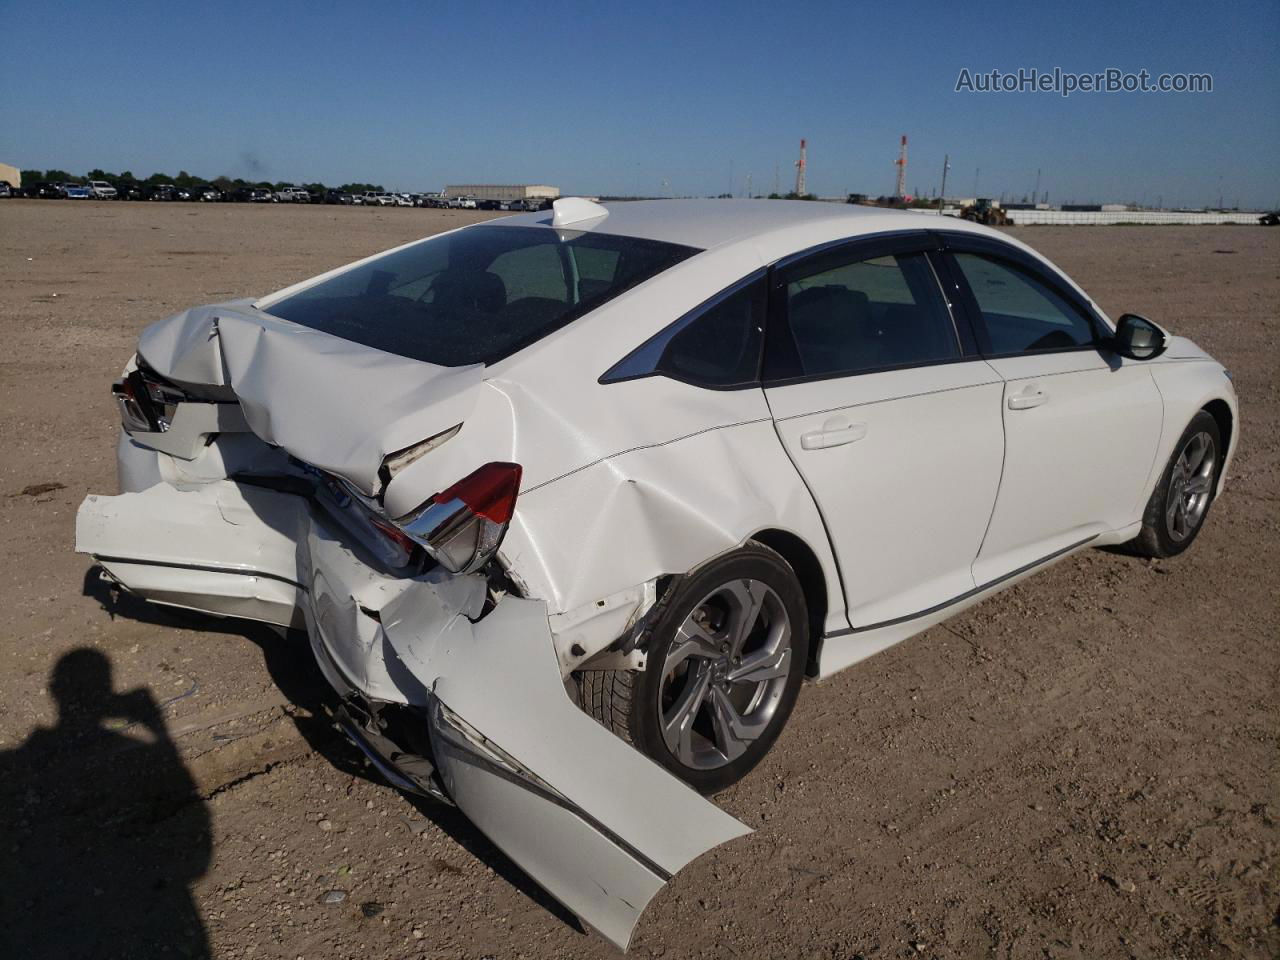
<point x="822" y="517"/>
<point x="1004" y="457"/>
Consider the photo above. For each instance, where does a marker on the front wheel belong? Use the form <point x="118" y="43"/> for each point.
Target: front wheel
<point x="1178" y="506"/>
<point x="725" y="657"/>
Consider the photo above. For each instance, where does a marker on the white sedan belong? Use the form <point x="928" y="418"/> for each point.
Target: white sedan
<point x="569" y="504"/>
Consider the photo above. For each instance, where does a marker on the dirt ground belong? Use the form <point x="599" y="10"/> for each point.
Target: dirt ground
<point x="1083" y="767"/>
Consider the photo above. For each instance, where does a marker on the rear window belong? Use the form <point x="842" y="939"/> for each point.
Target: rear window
<point x="480" y="294"/>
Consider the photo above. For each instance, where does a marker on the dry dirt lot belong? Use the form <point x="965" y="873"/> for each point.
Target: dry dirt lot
<point x="1083" y="767"/>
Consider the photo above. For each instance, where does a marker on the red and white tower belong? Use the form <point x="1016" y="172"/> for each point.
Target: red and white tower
<point x="902" y="168"/>
<point x="800" y="164"/>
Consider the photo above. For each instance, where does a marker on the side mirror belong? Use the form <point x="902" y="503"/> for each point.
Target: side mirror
<point x="1138" y="338"/>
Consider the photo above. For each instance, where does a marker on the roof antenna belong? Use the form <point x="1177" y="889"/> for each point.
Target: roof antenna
<point x="569" y="210"/>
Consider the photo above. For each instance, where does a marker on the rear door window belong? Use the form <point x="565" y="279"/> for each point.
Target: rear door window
<point x="864" y="315"/>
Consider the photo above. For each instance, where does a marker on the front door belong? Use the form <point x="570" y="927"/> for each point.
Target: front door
<point x="1081" y="423"/>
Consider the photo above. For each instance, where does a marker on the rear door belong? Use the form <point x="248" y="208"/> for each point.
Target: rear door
<point x="1081" y="423"/>
<point x="890" y="416"/>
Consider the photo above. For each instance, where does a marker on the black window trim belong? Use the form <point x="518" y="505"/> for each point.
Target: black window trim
<point x="643" y="361"/>
<point x="853" y="250"/>
<point x="937" y="245"/>
<point x="1022" y="262"/>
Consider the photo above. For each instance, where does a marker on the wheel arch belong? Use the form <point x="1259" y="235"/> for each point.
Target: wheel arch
<point x="1188" y="388"/>
<point x="813" y="583"/>
<point x="1221" y="413"/>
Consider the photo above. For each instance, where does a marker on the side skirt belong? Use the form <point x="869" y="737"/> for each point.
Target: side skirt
<point x="843" y="648"/>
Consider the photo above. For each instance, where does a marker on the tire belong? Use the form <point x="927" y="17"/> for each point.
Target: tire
<point x="698" y="712"/>
<point x="1180" y="503"/>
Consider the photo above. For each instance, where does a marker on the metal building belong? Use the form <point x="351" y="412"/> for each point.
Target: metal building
<point x="490" y="191"/>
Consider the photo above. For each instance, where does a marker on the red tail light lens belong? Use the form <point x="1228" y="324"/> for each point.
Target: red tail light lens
<point x="490" y="491"/>
<point x="462" y="526"/>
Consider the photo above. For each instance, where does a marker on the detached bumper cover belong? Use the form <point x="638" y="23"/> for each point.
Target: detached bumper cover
<point x="597" y="824"/>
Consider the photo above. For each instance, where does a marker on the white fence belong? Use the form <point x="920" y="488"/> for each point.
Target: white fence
<point x="1109" y="217"/>
<point x="1095" y="218"/>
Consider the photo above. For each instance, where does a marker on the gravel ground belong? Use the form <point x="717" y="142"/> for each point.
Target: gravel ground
<point x="1083" y="767"/>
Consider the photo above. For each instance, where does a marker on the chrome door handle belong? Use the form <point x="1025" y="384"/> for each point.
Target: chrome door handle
<point x="834" y="433"/>
<point x="1028" y="398"/>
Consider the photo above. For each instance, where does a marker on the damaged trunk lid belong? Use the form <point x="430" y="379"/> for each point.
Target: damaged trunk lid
<point x="338" y="405"/>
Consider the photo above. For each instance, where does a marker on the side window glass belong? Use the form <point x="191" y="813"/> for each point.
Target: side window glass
<point x="1022" y="314"/>
<point x="870" y="315"/>
<point x="721" y="346"/>
<point x="532" y="272"/>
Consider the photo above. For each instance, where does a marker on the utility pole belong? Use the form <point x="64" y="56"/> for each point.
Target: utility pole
<point x="800" y="165"/>
<point x="777" y="190"/>
<point x="1036" y="191"/>
<point x="942" y="194"/>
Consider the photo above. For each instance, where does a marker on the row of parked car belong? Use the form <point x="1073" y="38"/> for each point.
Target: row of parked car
<point x="208" y="193"/>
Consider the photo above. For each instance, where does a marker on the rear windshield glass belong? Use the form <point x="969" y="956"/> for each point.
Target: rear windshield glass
<point x="480" y="294"/>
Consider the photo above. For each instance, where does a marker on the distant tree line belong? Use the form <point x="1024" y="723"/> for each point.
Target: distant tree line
<point x="184" y="179"/>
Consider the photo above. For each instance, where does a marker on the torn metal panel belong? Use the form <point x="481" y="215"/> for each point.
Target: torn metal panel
<point x="350" y="605"/>
<point x="583" y="632"/>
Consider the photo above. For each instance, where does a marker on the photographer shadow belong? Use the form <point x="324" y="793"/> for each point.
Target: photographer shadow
<point x="293" y="670"/>
<point x="105" y="829"/>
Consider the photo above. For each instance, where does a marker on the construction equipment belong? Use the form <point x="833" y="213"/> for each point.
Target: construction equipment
<point x="986" y="211"/>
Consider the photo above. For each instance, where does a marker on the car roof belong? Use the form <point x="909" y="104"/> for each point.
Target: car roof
<point x="707" y="224"/>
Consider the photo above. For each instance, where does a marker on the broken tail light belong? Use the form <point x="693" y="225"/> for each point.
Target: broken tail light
<point x="462" y="526"/>
<point x="146" y="402"/>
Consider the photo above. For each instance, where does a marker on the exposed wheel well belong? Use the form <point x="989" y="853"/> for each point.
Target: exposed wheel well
<point x="813" y="582"/>
<point x="1221" y="414"/>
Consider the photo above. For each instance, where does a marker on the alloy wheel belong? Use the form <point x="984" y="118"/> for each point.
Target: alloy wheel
<point x="724" y="674"/>
<point x="1190" y="486"/>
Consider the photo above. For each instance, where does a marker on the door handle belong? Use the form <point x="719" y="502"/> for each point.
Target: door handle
<point x="1028" y="398"/>
<point x="836" y="432"/>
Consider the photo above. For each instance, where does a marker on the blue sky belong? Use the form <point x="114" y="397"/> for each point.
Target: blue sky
<point x="611" y="97"/>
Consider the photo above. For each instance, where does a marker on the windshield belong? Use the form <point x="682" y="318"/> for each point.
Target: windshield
<point x="480" y="294"/>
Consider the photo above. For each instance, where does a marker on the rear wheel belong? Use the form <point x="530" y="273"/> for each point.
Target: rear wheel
<point x="725" y="658"/>
<point x="1178" y="506"/>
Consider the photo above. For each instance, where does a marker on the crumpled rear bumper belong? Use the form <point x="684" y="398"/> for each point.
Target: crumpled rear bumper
<point x="597" y="824"/>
